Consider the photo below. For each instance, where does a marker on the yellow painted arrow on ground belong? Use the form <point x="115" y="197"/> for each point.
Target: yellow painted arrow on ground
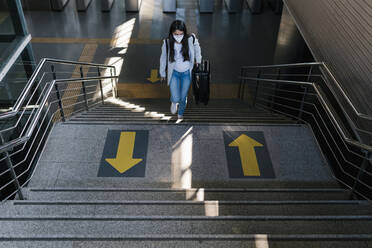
<point x="124" y="157"/>
<point x="154" y="76"/>
<point x="247" y="154"/>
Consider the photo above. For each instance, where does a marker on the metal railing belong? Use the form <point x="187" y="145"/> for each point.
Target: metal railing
<point x="46" y="99"/>
<point x="310" y="93"/>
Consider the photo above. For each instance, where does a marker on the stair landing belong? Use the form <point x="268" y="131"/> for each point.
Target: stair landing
<point x="180" y="156"/>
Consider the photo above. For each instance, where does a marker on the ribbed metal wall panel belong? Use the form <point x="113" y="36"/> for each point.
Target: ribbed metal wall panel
<point x="339" y="32"/>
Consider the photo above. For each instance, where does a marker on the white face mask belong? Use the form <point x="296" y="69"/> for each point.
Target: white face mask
<point x="178" y="37"/>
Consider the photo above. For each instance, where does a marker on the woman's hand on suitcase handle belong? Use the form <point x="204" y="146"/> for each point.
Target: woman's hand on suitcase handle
<point x="197" y="66"/>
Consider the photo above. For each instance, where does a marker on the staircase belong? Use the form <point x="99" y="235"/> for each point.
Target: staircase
<point x="158" y="111"/>
<point x="186" y="197"/>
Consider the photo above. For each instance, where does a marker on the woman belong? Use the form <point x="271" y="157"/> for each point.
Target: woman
<point x="178" y="53"/>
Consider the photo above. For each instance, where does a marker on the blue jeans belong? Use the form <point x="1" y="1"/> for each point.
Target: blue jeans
<point x="179" y="88"/>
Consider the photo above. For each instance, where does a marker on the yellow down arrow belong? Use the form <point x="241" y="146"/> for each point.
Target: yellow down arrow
<point x="124" y="157"/>
<point x="247" y="154"/>
<point x="154" y="76"/>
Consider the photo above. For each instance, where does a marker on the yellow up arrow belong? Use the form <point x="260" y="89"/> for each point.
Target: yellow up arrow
<point x="124" y="157"/>
<point x="154" y="76"/>
<point x="247" y="154"/>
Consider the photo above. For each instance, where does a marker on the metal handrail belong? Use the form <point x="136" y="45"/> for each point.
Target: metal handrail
<point x="328" y="71"/>
<point x="21" y="115"/>
<point x="9" y="145"/>
<point x="38" y="146"/>
<point x="348" y="140"/>
<point x="352" y="145"/>
<point x="322" y="132"/>
<point x="33" y="78"/>
<point x="282" y="65"/>
<point x="31" y="83"/>
<point x="41" y="107"/>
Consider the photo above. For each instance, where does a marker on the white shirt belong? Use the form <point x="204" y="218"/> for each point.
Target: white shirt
<point x="195" y="54"/>
<point x="181" y="66"/>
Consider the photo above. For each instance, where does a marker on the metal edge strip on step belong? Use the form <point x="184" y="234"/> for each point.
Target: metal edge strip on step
<point x="134" y="116"/>
<point x="288" y="123"/>
<point x="191" y="202"/>
<point x="224" y="190"/>
<point x="192" y="218"/>
<point x="191" y="237"/>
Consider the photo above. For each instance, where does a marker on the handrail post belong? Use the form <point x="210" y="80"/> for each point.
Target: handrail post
<point x="100" y="85"/>
<point x="9" y="163"/>
<point x="310" y="73"/>
<point x="245" y="74"/>
<point x="278" y="75"/>
<point x="116" y="81"/>
<point x="257" y="84"/>
<point x="302" y="102"/>
<point x="112" y="83"/>
<point x="304" y="95"/>
<point x="241" y="83"/>
<point x="83" y="85"/>
<point x="58" y="95"/>
<point x="241" y="90"/>
<point x="363" y="167"/>
<point x="9" y="92"/>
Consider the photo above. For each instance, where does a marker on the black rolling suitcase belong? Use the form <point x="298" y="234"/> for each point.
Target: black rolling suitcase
<point x="201" y="77"/>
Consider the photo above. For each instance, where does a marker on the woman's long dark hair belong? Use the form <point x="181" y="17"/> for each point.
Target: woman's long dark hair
<point x="178" y="25"/>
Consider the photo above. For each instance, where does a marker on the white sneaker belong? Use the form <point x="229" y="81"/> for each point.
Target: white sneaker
<point x="180" y="119"/>
<point x="174" y="108"/>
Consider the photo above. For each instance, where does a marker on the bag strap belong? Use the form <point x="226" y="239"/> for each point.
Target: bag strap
<point x="167" y="48"/>
<point x="166" y="45"/>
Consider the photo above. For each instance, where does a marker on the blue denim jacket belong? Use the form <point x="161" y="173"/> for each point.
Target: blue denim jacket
<point x="195" y="54"/>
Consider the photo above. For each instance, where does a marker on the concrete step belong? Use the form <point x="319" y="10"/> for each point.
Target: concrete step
<point x="196" y="110"/>
<point x="184" y="194"/>
<point x="231" y="111"/>
<point x="82" y="122"/>
<point x="196" y="113"/>
<point x="167" y="107"/>
<point x="190" y="102"/>
<point x="182" y="208"/>
<point x="174" y="119"/>
<point x="199" y="241"/>
<point x="31" y="226"/>
<point x="188" y="116"/>
<point x="115" y="117"/>
<point x="211" y="117"/>
<point x="173" y="122"/>
<point x="108" y="112"/>
<point x="137" y="183"/>
<point x="192" y="110"/>
<point x="186" y="112"/>
<point x="111" y="182"/>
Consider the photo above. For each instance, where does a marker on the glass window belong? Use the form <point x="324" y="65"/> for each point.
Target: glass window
<point x="15" y="52"/>
<point x="6" y="24"/>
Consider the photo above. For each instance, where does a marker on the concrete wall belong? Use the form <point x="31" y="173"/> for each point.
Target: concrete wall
<point x="339" y="32"/>
<point x="290" y="45"/>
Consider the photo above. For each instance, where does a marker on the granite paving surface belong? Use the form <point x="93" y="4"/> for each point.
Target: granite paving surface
<point x="177" y="155"/>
